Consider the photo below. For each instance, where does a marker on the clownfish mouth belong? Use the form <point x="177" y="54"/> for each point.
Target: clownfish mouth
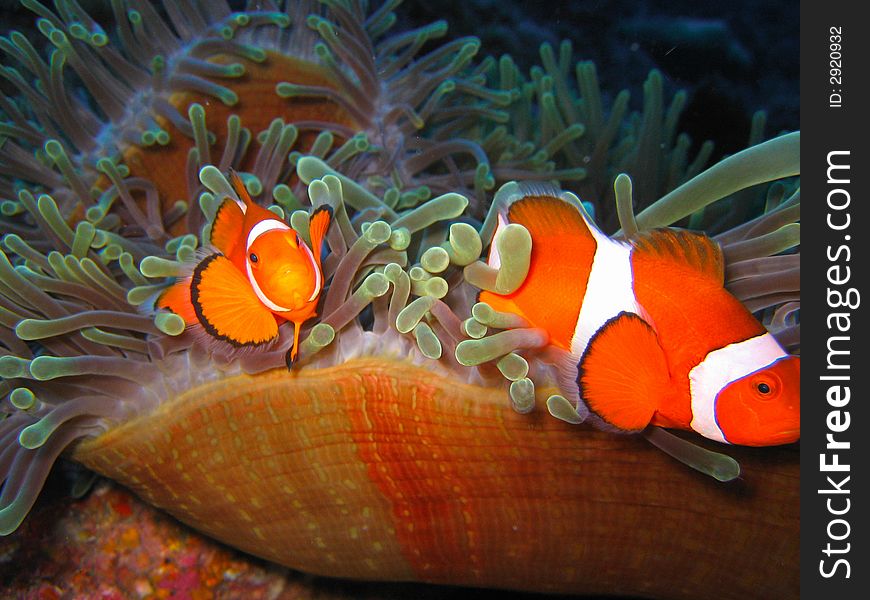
<point x="773" y="435"/>
<point x="785" y="436"/>
<point x="288" y="272"/>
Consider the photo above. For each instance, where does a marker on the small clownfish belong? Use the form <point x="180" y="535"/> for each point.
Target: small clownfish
<point x="650" y="334"/>
<point x="262" y="275"/>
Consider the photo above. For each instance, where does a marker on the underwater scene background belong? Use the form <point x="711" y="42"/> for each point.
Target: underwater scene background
<point x="114" y="137"/>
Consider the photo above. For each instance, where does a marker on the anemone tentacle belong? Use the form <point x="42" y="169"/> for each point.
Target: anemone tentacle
<point x="559" y="129"/>
<point x="112" y="155"/>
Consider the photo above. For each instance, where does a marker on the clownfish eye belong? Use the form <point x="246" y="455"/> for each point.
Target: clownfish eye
<point x="253" y="257"/>
<point x="766" y="386"/>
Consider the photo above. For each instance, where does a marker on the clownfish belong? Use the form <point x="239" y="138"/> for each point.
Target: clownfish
<point x="649" y="333"/>
<point x="262" y="274"/>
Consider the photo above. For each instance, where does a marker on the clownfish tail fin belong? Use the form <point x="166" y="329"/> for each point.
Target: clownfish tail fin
<point x="623" y="376"/>
<point x="318" y="225"/>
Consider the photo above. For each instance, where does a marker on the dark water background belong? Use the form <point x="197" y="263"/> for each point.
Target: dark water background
<point x="734" y="57"/>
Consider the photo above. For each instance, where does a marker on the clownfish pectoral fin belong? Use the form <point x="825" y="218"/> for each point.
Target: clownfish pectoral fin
<point x="226" y="229"/>
<point x="683" y="247"/>
<point x="318" y="224"/>
<point x="293" y="352"/>
<point x="624" y="374"/>
<point x="177" y="299"/>
<point x="227" y="307"/>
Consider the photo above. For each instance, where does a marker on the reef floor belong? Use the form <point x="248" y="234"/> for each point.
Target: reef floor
<point x="110" y="545"/>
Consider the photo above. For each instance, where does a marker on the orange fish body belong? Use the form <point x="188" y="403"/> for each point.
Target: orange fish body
<point x="262" y="275"/>
<point x="650" y="334"/>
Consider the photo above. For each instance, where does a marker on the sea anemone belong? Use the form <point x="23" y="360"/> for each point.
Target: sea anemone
<point x="410" y="440"/>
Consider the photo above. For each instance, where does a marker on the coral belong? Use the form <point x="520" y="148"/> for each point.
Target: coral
<point x="111" y="162"/>
<point x="134" y="551"/>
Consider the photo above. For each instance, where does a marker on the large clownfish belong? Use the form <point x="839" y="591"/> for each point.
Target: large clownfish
<point x="650" y="334"/>
<point x="262" y="275"/>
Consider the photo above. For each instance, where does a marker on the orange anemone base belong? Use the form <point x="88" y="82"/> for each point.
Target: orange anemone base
<point x="376" y="469"/>
<point x="257" y="106"/>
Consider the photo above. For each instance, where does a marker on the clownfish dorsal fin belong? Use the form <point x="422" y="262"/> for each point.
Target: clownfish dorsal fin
<point x="226" y="229"/>
<point x="688" y="248"/>
<point x="240" y="188"/>
<point x="623" y="376"/>
<point x="318" y="224"/>
<point x="226" y="305"/>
